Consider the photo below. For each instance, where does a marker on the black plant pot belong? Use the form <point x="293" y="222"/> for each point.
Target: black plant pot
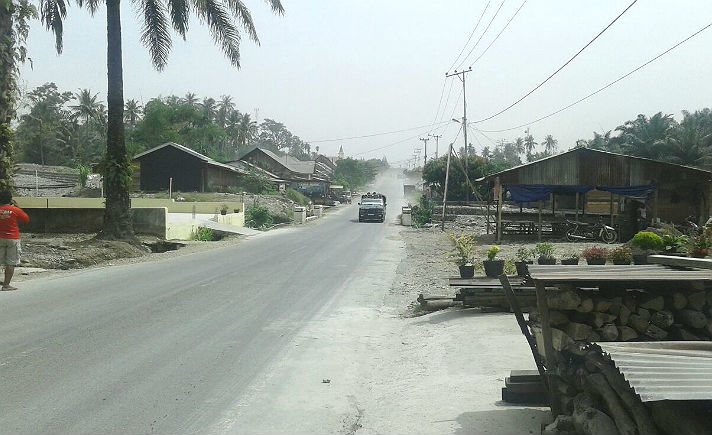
<point x="621" y="262"/>
<point x="493" y="268"/>
<point x="521" y="266"/>
<point x="467" y="271"/>
<point x="640" y="258"/>
<point x="596" y="261"/>
<point x="546" y="261"/>
<point x="570" y="261"/>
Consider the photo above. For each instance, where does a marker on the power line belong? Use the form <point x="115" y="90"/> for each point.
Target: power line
<point x="391" y="144"/>
<point x="374" y="134"/>
<point x="559" y="69"/>
<point x="499" y="34"/>
<point x="606" y="86"/>
<point x="470" y="38"/>
<point x="482" y="35"/>
<point x="442" y="92"/>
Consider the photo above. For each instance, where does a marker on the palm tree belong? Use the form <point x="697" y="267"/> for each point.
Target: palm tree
<point x="132" y="112"/>
<point x="224" y="19"/>
<point x="208" y="106"/>
<point x="247" y="130"/>
<point x="87" y="106"/>
<point x="689" y="143"/>
<point x="225" y="107"/>
<point x="646" y="137"/>
<point x="550" y="145"/>
<point x="190" y="99"/>
<point x="529" y="145"/>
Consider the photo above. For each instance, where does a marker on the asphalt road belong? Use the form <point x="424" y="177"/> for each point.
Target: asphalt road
<point x="170" y="346"/>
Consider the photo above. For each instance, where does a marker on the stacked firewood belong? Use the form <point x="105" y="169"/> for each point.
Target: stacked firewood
<point x="592" y="395"/>
<point x="578" y="315"/>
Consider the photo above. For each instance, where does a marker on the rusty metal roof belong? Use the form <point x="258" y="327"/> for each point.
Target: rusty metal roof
<point x="665" y="370"/>
<point x="610" y="273"/>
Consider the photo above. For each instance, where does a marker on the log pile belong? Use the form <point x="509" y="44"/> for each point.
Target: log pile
<point x="591" y="394"/>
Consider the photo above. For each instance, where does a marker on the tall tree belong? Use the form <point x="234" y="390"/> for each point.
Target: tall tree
<point x="14" y="28"/>
<point x="223" y="19"/>
<point x="87" y="106"/>
<point x="646" y="137"/>
<point x="550" y="145"/>
<point x="190" y="99"/>
<point x="132" y="112"/>
<point x="529" y="145"/>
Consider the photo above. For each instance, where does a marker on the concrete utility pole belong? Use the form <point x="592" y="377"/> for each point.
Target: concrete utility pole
<point x="425" y="156"/>
<point x="447" y="178"/>
<point x="436" y="136"/>
<point x="461" y="76"/>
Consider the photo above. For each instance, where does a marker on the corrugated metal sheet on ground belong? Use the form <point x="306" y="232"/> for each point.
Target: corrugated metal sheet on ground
<point x="665" y="370"/>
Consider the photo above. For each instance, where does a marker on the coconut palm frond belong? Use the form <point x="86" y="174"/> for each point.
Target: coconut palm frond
<point x="240" y="11"/>
<point x="180" y="15"/>
<point x="276" y="6"/>
<point x="156" y="33"/>
<point x="91" y="5"/>
<point x="52" y="13"/>
<point x="222" y="28"/>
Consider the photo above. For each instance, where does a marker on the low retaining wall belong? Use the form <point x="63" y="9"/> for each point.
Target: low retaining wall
<point x="171" y="205"/>
<point x="151" y="221"/>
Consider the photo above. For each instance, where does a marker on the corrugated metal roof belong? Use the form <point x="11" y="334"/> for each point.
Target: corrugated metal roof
<point x="187" y="150"/>
<point x="665" y="370"/>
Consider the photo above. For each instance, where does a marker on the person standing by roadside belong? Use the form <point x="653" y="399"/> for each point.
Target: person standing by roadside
<point x="10" y="250"/>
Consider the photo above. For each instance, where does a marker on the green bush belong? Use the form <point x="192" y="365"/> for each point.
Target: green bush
<point x="545" y="250"/>
<point x="258" y="217"/>
<point x="648" y="241"/>
<point x="254" y="182"/>
<point x="83" y="174"/>
<point x="422" y="213"/>
<point x="204" y="235"/>
<point x="297" y="197"/>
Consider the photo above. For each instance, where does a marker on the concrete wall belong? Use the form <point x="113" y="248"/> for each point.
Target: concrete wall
<point x="172" y="206"/>
<point x="150" y="221"/>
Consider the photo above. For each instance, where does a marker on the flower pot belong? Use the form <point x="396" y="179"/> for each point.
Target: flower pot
<point x="547" y="261"/>
<point x="596" y="261"/>
<point x="521" y="266"/>
<point x="640" y="258"/>
<point x="493" y="268"/>
<point x="569" y="261"/>
<point x="467" y="271"/>
<point x="621" y="262"/>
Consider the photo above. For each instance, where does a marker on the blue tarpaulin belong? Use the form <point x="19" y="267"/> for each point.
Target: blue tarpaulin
<point x="534" y="192"/>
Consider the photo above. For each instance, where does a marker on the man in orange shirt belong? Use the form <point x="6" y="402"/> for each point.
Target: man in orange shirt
<point x="10" y="236"/>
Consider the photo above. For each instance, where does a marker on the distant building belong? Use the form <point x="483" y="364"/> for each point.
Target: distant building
<point x="312" y="177"/>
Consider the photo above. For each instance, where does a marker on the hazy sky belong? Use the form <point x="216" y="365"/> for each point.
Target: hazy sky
<point x="331" y="69"/>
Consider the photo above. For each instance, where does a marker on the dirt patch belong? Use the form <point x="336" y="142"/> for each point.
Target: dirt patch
<point x="74" y="251"/>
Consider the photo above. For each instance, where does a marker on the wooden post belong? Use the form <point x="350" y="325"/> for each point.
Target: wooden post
<point x="514" y="304"/>
<point x="170" y="188"/>
<point x="447" y="177"/>
<point x="499" y="211"/>
<point x="611" y="208"/>
<point x="540" y="205"/>
<point x="487" y="222"/>
<point x="552" y="198"/>
<point x="655" y="205"/>
<point x="577" y="205"/>
<point x="550" y="359"/>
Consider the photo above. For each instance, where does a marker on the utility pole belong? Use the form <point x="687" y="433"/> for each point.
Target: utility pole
<point x="461" y="76"/>
<point x="447" y="178"/>
<point x="425" y="156"/>
<point x="436" y="136"/>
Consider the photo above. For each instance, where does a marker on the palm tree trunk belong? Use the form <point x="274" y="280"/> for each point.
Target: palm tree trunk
<point x="117" y="173"/>
<point x="7" y="92"/>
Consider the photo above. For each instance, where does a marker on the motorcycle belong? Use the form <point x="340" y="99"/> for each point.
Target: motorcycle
<point x="583" y="231"/>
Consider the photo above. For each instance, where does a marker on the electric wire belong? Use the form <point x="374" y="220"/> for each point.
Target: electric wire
<point x="629" y="73"/>
<point x="499" y="34"/>
<point x="374" y="134"/>
<point x="482" y="35"/>
<point x="470" y="38"/>
<point x="560" y="68"/>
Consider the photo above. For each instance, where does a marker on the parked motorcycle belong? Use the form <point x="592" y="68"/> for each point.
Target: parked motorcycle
<point x="583" y="231"/>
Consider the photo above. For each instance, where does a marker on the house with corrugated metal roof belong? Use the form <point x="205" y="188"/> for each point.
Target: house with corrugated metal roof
<point x="586" y="181"/>
<point x="312" y="177"/>
<point x="187" y="170"/>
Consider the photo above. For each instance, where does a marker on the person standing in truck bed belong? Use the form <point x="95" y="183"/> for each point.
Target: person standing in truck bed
<point x="10" y="250"/>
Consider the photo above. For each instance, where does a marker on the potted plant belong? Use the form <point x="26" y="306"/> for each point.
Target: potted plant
<point x="643" y="244"/>
<point x="545" y="251"/>
<point x="523" y="257"/>
<point x="464" y="254"/>
<point x="223" y="209"/>
<point x="595" y="255"/>
<point x="570" y="259"/>
<point x="699" y="247"/>
<point x="493" y="268"/>
<point x="675" y="244"/>
<point x="621" y="255"/>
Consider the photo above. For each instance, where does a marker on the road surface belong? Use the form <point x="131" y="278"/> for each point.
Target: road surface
<point x="174" y="346"/>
